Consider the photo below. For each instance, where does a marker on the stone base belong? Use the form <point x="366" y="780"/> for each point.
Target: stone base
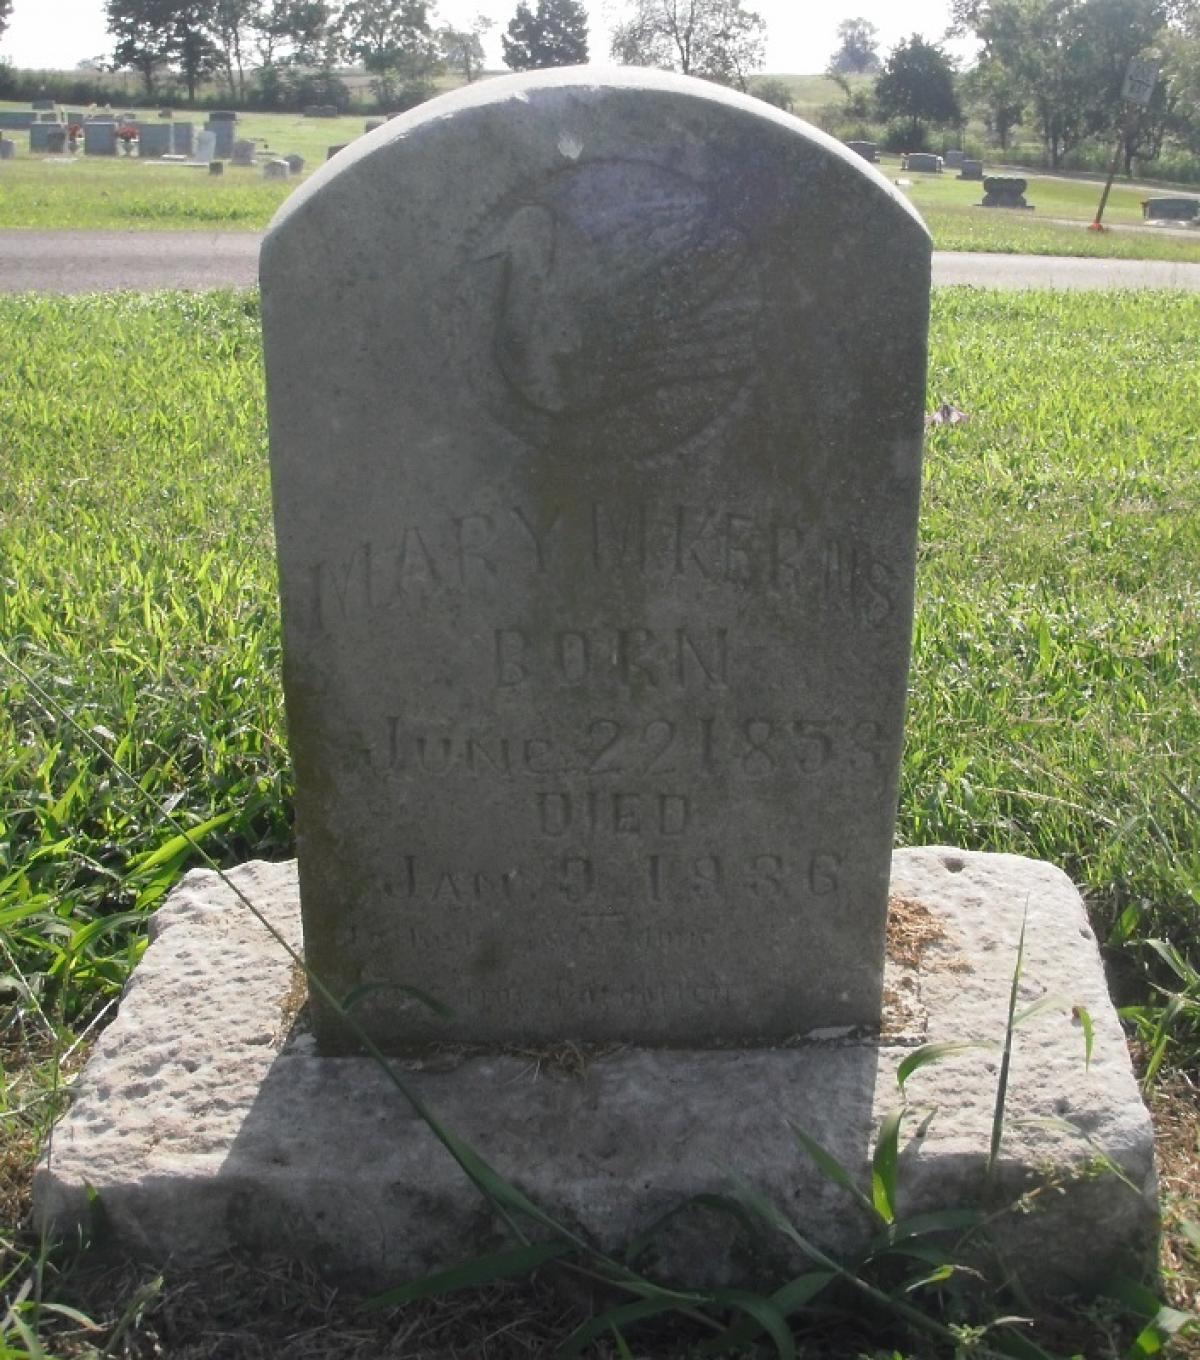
<point x="207" y="1123"/>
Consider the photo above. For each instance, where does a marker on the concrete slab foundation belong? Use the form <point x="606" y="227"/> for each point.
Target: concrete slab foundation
<point x="207" y="1123"/>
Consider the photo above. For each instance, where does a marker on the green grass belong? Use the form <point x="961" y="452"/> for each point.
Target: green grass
<point x="128" y="194"/>
<point x="1055" y="705"/>
<point x="1056" y="226"/>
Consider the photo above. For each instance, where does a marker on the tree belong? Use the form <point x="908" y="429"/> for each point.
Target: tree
<point x="553" y="34"/>
<point x="393" y="40"/>
<point x="1066" y="59"/>
<point x="857" y="49"/>
<point x="300" y="31"/>
<point x="462" y="48"/>
<point x="230" y="27"/>
<point x="145" y="37"/>
<point x="995" y="92"/>
<point x="5" y="12"/>
<point x="715" y="39"/>
<point x="773" y="91"/>
<point x="917" y="83"/>
<point x="191" y="47"/>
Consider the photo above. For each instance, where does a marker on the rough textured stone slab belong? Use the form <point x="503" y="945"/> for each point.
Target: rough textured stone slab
<point x="596" y="406"/>
<point x="206" y="1129"/>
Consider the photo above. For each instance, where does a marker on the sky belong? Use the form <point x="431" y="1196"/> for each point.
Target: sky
<point x="800" y="36"/>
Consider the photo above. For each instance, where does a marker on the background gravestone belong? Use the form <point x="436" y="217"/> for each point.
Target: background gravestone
<point x="99" y="139"/>
<point x="154" y="140"/>
<point x="222" y="130"/>
<point x="596" y="518"/>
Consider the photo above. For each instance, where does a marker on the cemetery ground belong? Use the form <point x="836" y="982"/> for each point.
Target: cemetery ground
<point x="82" y="192"/>
<point x="1054" y="712"/>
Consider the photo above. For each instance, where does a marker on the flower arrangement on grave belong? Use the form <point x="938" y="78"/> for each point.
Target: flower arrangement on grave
<point x="127" y="135"/>
<point x="74" y="131"/>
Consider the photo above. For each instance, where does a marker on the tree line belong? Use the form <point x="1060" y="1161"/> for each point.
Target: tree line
<point x="285" y="53"/>
<point x="1053" y="68"/>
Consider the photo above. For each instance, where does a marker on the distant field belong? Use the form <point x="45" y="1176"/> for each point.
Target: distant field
<point x="125" y="193"/>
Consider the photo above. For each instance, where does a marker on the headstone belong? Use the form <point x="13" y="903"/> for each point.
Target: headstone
<point x="924" y="162"/>
<point x="154" y="140"/>
<point x="971" y="169"/>
<point x="276" y="169"/>
<point x="1170" y="209"/>
<point x="52" y="117"/>
<point x="953" y="158"/>
<point x="99" y="139"/>
<point x="372" y="123"/>
<point x="8" y="149"/>
<point x="205" y="148"/>
<point x="17" y="118"/>
<point x="216" y="167"/>
<point x="295" y="164"/>
<point x="223" y="133"/>
<point x="869" y="151"/>
<point x="39" y="137"/>
<point x="223" y="116"/>
<point x="182" y="138"/>
<point x="243" y="152"/>
<point x="166" y="113"/>
<point x="597" y="589"/>
<point x="42" y="104"/>
<point x="1004" y="191"/>
<point x="331" y="151"/>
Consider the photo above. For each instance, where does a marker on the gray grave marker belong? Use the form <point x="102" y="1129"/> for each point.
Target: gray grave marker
<point x="154" y="140"/>
<point x="596" y="464"/>
<point x="99" y="139"/>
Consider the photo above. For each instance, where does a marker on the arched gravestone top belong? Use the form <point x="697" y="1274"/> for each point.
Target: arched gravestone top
<point x="596" y="416"/>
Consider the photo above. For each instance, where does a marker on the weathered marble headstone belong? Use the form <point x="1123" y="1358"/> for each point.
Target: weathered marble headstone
<point x="243" y="152"/>
<point x="596" y="415"/>
<point x="205" y="146"/>
<point x="276" y="169"/>
<point x="154" y="140"/>
<point x="99" y="139"/>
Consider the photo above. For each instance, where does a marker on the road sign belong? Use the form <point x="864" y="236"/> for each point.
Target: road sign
<point x="1140" y="80"/>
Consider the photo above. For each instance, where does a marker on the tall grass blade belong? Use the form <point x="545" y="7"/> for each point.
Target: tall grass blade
<point x="832" y="1168"/>
<point x="1006" y="1055"/>
<point x="931" y="1053"/>
<point x="884" y="1165"/>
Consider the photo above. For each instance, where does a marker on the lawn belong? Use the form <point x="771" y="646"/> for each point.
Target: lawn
<point x="1062" y="209"/>
<point x="128" y="194"/>
<point x="1055" y="697"/>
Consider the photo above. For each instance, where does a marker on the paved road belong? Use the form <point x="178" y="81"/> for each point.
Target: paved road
<point x="92" y="261"/>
